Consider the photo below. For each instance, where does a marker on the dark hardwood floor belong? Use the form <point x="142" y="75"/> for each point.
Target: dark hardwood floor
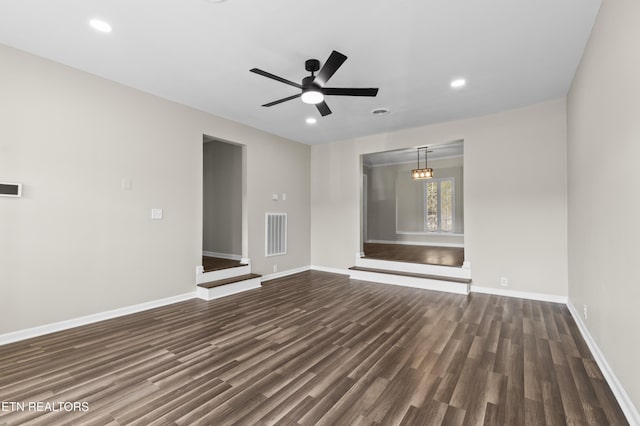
<point x="216" y="263"/>
<point x="445" y="256"/>
<point x="317" y="348"/>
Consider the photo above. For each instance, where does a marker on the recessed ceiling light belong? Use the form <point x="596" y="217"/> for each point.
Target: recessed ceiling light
<point x="458" y="83"/>
<point x="380" y="111"/>
<point x="311" y="120"/>
<point x="100" y="25"/>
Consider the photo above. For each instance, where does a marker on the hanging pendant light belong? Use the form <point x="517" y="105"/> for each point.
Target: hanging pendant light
<point x="426" y="173"/>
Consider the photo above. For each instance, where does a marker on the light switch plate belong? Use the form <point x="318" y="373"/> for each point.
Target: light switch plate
<point x="156" y="213"/>
<point x="8" y="189"/>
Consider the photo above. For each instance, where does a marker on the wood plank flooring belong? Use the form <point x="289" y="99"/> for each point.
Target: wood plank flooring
<point x="216" y="263"/>
<point x="317" y="348"/>
<point x="445" y="256"/>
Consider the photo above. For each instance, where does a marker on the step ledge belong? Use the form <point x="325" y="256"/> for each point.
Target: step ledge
<point x="227" y="281"/>
<point x="408" y="281"/>
<point x="414" y="268"/>
<point x="412" y="275"/>
<point x="228" y="289"/>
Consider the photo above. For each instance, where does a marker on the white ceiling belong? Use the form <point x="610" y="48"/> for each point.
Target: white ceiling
<point x="196" y="52"/>
<point x="408" y="155"/>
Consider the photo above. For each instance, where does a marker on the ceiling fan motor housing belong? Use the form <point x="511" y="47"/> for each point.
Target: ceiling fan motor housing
<point x="307" y="83"/>
<point x="312" y="65"/>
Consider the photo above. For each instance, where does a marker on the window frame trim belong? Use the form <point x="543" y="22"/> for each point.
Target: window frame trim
<point x="439" y="213"/>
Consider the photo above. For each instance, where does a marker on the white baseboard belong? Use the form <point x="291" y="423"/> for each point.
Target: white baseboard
<point x="222" y="255"/>
<point x="416" y="243"/>
<point x="542" y="297"/>
<point x="89" y="319"/>
<point x="331" y="270"/>
<point x="283" y="273"/>
<point x="629" y="410"/>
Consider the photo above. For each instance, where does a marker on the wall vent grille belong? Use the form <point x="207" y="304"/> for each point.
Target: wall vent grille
<point x="276" y="234"/>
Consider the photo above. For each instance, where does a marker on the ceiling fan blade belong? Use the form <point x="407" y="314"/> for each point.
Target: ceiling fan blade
<point x="323" y="108"/>
<point x="279" y="101"/>
<point x="275" y="77"/>
<point x="335" y="61"/>
<point x="350" y="91"/>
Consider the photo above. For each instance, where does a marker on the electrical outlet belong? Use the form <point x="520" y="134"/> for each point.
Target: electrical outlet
<point x="504" y="282"/>
<point x="275" y="268"/>
<point x="585" y="311"/>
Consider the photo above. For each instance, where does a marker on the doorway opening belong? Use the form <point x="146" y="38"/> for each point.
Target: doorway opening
<point x="223" y="215"/>
<point x="414" y="221"/>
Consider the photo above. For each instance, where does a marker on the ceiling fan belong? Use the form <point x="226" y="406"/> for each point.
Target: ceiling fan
<point x="312" y="87"/>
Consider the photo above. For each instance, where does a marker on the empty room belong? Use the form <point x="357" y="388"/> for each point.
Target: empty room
<point x="226" y="212"/>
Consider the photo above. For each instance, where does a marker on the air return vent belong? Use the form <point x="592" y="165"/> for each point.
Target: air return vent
<point x="276" y="234"/>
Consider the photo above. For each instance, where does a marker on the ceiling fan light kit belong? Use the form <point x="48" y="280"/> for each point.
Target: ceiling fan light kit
<point x="312" y="89"/>
<point x="311" y="93"/>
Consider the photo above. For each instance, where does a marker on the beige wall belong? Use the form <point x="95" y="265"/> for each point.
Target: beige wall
<point x="77" y="243"/>
<point x="604" y="204"/>
<point x="222" y="198"/>
<point x="515" y="195"/>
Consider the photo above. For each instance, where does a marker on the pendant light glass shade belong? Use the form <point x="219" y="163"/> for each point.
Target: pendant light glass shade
<point x="424" y="173"/>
